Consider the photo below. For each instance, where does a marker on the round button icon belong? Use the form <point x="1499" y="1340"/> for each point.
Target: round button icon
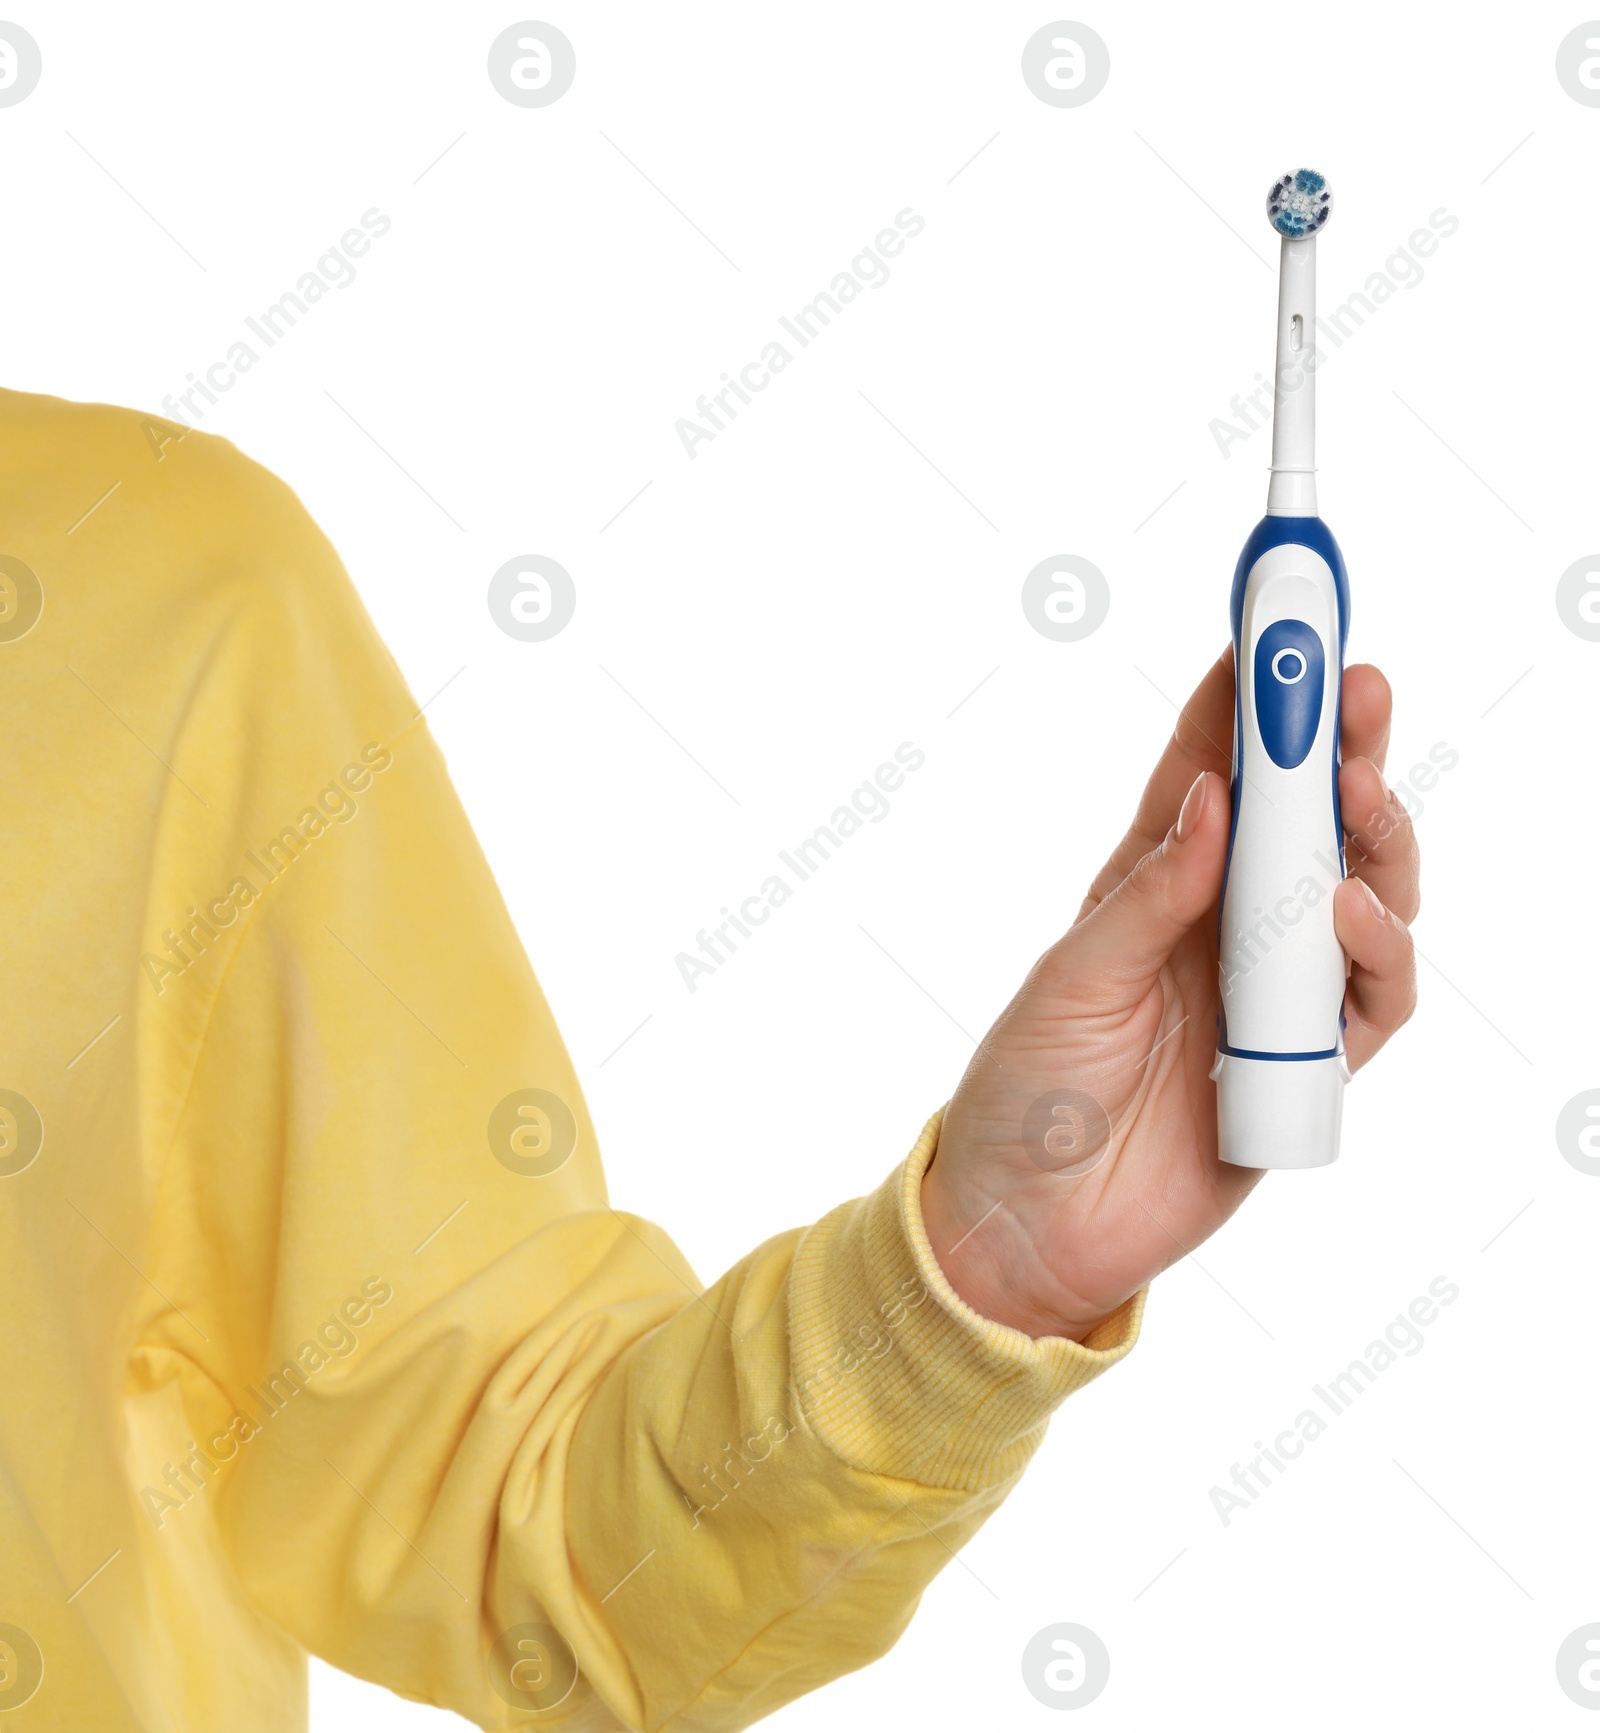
<point x="532" y="598"/>
<point x="21" y="599"/>
<point x="1578" y="1132"/>
<point x="532" y="64"/>
<point x="1066" y="64"/>
<point x="1066" y="1132"/>
<point x="1065" y="598"/>
<point x="1578" y="64"/>
<point x="1288" y="667"/>
<point x="1578" y="1666"/>
<point x="532" y="1133"/>
<point x="532" y="1667"/>
<point x="1578" y="594"/>
<point x="20" y="64"/>
<point x="1065" y="1666"/>
<point x="21" y="1132"/>
<point x="21" y="1667"/>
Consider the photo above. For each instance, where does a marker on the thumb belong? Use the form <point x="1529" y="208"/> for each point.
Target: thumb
<point x="1128" y="937"/>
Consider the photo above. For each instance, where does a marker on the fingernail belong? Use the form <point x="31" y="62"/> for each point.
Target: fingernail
<point x="1189" y="812"/>
<point x="1378" y="910"/>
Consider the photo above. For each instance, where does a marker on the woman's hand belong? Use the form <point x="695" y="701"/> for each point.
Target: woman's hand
<point x="1123" y="1010"/>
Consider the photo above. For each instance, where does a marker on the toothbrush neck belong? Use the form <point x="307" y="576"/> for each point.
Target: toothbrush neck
<point x="1292" y="492"/>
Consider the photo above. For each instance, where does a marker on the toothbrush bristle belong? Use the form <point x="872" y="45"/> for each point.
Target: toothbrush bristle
<point x="1299" y="204"/>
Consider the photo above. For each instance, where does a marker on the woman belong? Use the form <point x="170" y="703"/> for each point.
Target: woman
<point x="322" y="1332"/>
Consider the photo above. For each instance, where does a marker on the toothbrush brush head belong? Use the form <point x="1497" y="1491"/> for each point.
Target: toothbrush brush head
<point x="1299" y="204"/>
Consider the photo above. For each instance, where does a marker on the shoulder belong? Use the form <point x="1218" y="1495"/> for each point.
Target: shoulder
<point x="139" y="514"/>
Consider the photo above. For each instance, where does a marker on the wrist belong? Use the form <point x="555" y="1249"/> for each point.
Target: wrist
<point x="1002" y="1277"/>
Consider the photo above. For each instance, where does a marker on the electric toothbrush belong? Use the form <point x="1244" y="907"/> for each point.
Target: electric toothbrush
<point x="1280" y="1069"/>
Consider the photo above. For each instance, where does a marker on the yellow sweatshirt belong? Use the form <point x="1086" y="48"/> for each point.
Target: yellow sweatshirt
<point x="319" y="1329"/>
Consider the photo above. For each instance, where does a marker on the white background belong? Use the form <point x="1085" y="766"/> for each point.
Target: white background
<point x="809" y="591"/>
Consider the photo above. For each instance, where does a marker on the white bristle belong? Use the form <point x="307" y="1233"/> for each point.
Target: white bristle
<point x="1299" y="204"/>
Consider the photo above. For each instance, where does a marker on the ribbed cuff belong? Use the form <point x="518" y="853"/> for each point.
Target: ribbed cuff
<point x="897" y="1373"/>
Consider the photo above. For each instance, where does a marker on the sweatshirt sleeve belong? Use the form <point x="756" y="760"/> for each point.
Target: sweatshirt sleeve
<point x="473" y="1432"/>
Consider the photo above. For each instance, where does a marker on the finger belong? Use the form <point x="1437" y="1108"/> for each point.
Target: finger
<point x="1382" y="990"/>
<point x="1366" y="709"/>
<point x="1122" y="944"/>
<point x="1383" y="844"/>
<point x="1201" y="740"/>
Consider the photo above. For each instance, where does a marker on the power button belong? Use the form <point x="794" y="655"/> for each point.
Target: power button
<point x="1288" y="685"/>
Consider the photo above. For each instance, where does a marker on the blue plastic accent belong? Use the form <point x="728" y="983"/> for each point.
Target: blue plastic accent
<point x="1274" y="532"/>
<point x="1305" y="532"/>
<point x="1288" y="684"/>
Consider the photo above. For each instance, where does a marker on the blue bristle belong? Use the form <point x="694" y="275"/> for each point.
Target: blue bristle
<point x="1299" y="204"/>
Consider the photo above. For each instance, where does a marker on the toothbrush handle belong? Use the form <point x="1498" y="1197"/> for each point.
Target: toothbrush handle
<point x="1280" y="1068"/>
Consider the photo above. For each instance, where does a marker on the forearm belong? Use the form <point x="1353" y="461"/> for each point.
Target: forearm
<point x="760" y="1490"/>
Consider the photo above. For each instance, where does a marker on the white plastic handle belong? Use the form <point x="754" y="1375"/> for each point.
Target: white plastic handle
<point x="1280" y="1064"/>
